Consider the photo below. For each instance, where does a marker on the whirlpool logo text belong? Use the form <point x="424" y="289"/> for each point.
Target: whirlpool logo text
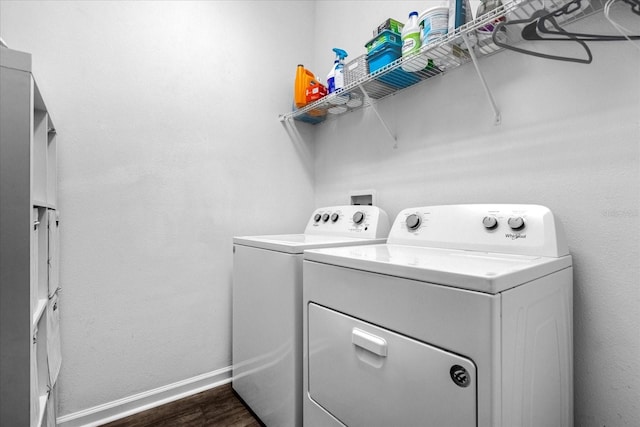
<point x="514" y="236"/>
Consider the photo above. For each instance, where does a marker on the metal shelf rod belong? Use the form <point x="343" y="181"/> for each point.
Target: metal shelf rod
<point x="375" y="110"/>
<point x="496" y="111"/>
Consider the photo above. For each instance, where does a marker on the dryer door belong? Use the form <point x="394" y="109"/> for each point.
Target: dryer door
<point x="365" y="375"/>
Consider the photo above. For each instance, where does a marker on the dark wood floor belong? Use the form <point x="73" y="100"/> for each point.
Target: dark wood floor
<point x="216" y="407"/>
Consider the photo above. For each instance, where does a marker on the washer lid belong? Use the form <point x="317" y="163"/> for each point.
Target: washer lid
<point x="477" y="271"/>
<point x="298" y="243"/>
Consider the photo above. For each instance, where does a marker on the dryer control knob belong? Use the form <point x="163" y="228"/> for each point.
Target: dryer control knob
<point x="358" y="217"/>
<point x="413" y="221"/>
<point x="516" y="223"/>
<point x="334" y="217"/>
<point x="317" y="217"/>
<point x="490" y="222"/>
<point x="325" y="217"/>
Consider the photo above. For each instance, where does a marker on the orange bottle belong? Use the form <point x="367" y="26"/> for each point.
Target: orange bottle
<point x="304" y="78"/>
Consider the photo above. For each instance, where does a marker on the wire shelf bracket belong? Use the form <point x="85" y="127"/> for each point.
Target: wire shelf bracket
<point x="373" y="106"/>
<point x="497" y="117"/>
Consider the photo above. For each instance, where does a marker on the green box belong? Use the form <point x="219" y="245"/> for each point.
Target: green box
<point x="391" y="24"/>
<point x="385" y="37"/>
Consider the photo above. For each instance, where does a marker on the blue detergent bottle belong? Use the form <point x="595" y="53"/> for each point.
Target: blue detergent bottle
<point x="335" y="78"/>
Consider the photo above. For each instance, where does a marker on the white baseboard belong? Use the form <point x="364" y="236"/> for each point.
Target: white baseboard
<point x="121" y="408"/>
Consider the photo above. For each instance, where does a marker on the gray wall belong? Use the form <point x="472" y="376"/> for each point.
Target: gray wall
<point x="169" y="144"/>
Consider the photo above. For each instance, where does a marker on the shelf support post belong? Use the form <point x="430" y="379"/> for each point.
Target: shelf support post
<point x="496" y="112"/>
<point x="375" y="110"/>
<point x="289" y="125"/>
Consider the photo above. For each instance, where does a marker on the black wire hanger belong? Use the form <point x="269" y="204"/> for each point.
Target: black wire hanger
<point x="635" y="5"/>
<point x="532" y="31"/>
<point x="533" y="19"/>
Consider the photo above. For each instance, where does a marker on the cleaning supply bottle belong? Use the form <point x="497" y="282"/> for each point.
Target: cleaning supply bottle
<point x="411" y="42"/>
<point x="485" y="33"/>
<point x="485" y="7"/>
<point x="459" y="15"/>
<point x="335" y="78"/>
<point x="411" y="35"/>
<point x="304" y="78"/>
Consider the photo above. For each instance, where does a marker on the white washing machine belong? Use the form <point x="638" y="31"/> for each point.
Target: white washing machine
<point x="267" y="307"/>
<point x="463" y="318"/>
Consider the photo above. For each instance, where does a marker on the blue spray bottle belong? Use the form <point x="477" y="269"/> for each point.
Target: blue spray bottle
<point x="335" y="78"/>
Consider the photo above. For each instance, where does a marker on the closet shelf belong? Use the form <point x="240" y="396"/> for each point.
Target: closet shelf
<point x="441" y="55"/>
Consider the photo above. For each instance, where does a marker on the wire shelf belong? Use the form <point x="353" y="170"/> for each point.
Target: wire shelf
<point x="437" y="57"/>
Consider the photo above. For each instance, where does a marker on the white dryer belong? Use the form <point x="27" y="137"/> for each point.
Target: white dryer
<point x="463" y="318"/>
<point x="267" y="307"/>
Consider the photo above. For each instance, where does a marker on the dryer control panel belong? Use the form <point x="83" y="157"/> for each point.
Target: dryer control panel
<point x="503" y="228"/>
<point x="349" y="220"/>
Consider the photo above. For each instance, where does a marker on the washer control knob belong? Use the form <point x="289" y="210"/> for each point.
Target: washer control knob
<point x="334" y="217"/>
<point x="325" y="217"/>
<point x="413" y="221"/>
<point x="516" y="223"/>
<point x="317" y="217"/>
<point x="490" y="222"/>
<point x="358" y="217"/>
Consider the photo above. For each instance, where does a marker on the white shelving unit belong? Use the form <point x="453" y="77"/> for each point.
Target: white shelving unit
<point x="29" y="310"/>
<point x="438" y="57"/>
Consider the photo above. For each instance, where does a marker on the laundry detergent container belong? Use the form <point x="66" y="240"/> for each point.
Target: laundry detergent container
<point x="384" y="49"/>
